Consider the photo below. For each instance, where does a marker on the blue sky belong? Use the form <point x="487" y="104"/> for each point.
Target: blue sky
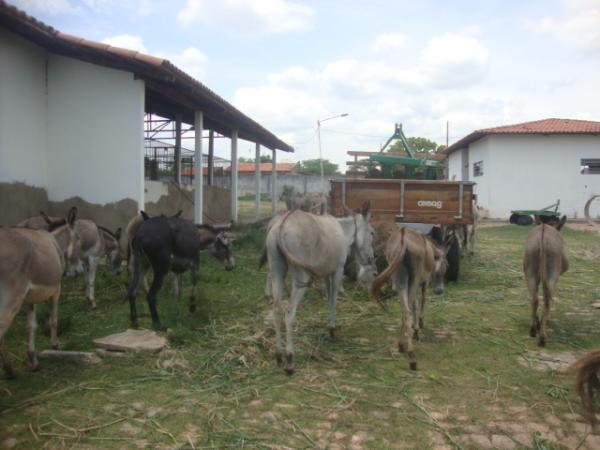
<point x="287" y="63"/>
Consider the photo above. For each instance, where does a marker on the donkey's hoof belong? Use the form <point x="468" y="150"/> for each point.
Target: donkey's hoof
<point x="421" y="325"/>
<point x="193" y="308"/>
<point x="279" y="359"/>
<point x="333" y="334"/>
<point x="54" y="346"/>
<point x="159" y="326"/>
<point x="134" y="324"/>
<point x="532" y="332"/>
<point x="9" y="373"/>
<point x="289" y="363"/>
<point x="401" y="348"/>
<point x="416" y="335"/>
<point x="542" y="342"/>
<point x="413" y="365"/>
<point x="289" y="370"/>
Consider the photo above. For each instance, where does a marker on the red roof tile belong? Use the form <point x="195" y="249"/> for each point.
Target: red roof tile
<point x="546" y="126"/>
<point x="264" y="167"/>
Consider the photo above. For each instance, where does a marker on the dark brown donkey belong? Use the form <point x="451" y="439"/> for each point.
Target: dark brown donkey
<point x="543" y="263"/>
<point x="32" y="263"/>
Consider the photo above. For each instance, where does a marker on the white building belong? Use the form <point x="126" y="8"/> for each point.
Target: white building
<point x="61" y="96"/>
<point x="530" y="165"/>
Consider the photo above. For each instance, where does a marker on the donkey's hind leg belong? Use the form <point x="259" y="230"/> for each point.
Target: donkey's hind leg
<point x="53" y="321"/>
<point x="8" y="370"/>
<point x="300" y="283"/>
<point x="31" y="326"/>
<point x="532" y="287"/>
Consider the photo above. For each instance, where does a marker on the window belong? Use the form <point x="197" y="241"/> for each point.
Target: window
<point x="478" y="169"/>
<point x="590" y="166"/>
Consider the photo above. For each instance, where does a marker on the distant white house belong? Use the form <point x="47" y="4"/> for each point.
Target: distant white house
<point x="530" y="165"/>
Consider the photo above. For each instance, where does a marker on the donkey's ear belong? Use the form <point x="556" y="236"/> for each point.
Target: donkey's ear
<point x="366" y="208"/>
<point x="538" y="221"/>
<point x="46" y="218"/>
<point x="561" y="222"/>
<point x="72" y="216"/>
<point x="347" y="211"/>
<point x="118" y="233"/>
<point x="144" y="215"/>
<point x="177" y="214"/>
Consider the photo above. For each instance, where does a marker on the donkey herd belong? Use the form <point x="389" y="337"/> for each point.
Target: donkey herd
<point x="304" y="241"/>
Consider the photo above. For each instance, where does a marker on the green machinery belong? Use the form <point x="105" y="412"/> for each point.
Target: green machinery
<point x="388" y="165"/>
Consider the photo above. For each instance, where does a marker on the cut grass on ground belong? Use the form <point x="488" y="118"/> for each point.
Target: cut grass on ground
<point x="218" y="386"/>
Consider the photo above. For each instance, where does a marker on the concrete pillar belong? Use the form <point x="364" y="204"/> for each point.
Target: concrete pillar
<point x="178" y="149"/>
<point x="234" y="175"/>
<point x="199" y="128"/>
<point x="257" y="182"/>
<point x="211" y="157"/>
<point x="274" y="184"/>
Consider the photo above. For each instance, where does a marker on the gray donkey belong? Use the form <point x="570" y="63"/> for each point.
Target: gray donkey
<point x="543" y="263"/>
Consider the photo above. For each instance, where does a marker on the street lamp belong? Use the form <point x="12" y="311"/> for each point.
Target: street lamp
<point x="320" y="151"/>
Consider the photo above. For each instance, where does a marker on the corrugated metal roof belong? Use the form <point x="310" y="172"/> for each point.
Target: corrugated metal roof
<point x="170" y="89"/>
<point x="546" y="126"/>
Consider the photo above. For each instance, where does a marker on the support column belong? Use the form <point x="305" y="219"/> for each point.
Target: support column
<point x="257" y="183"/>
<point x="274" y="184"/>
<point x="178" y="149"/>
<point x="211" y="157"/>
<point x="198" y="127"/>
<point x="234" y="175"/>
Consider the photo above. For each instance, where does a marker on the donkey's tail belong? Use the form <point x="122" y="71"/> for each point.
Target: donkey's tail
<point x="375" y="290"/>
<point x="291" y="259"/>
<point x="543" y="274"/>
<point x="586" y="381"/>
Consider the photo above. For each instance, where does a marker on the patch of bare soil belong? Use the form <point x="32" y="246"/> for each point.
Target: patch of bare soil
<point x="583" y="226"/>
<point x="518" y="427"/>
<point x="544" y="360"/>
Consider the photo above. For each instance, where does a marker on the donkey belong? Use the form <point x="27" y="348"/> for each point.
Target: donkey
<point x="171" y="244"/>
<point x="32" y="263"/>
<point x="96" y="242"/>
<point x="312" y="202"/>
<point x="544" y="262"/>
<point x="414" y="261"/>
<point x="586" y="382"/>
<point x="312" y="246"/>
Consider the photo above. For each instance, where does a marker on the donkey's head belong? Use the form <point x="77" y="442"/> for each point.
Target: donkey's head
<point x="553" y="221"/>
<point x="114" y="252"/>
<point x="222" y="249"/>
<point x="68" y="240"/>
<point x="440" y="265"/>
<point x="363" y="245"/>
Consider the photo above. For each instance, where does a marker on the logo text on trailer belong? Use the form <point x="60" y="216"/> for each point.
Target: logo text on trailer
<point x="430" y="204"/>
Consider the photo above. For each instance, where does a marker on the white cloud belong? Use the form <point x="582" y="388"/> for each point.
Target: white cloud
<point x="126" y="41"/>
<point x="249" y="16"/>
<point x="579" y="27"/>
<point x="53" y="7"/>
<point x="389" y="42"/>
<point x="453" y="60"/>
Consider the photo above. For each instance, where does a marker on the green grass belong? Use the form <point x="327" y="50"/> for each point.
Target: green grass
<point x="218" y="385"/>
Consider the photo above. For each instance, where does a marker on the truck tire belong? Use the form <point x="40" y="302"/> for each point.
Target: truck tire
<point x="453" y="258"/>
<point x="524" y="220"/>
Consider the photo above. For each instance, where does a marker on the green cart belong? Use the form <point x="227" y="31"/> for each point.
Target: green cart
<point x="527" y="216"/>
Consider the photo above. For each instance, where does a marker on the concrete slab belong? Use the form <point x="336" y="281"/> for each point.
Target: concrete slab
<point x="63" y="355"/>
<point x="132" y="341"/>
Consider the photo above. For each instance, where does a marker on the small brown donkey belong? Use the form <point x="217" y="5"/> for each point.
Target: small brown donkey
<point x="543" y="263"/>
<point x="32" y="263"/>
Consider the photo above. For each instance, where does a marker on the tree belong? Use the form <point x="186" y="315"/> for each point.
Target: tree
<point x="313" y="167"/>
<point x="263" y="159"/>
<point x="419" y="144"/>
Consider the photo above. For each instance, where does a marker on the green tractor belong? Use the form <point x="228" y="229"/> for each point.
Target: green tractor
<point x="410" y="166"/>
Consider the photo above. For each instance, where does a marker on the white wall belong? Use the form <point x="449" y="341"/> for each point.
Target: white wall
<point x="95" y="132"/>
<point x="454" y="166"/>
<point x="530" y="172"/>
<point x="22" y="111"/>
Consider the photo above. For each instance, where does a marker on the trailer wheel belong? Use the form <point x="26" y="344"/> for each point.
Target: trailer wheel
<point x="524" y="220"/>
<point x="453" y="257"/>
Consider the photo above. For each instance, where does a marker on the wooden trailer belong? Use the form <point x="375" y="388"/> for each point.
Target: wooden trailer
<point x="407" y="201"/>
<point x="447" y="205"/>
